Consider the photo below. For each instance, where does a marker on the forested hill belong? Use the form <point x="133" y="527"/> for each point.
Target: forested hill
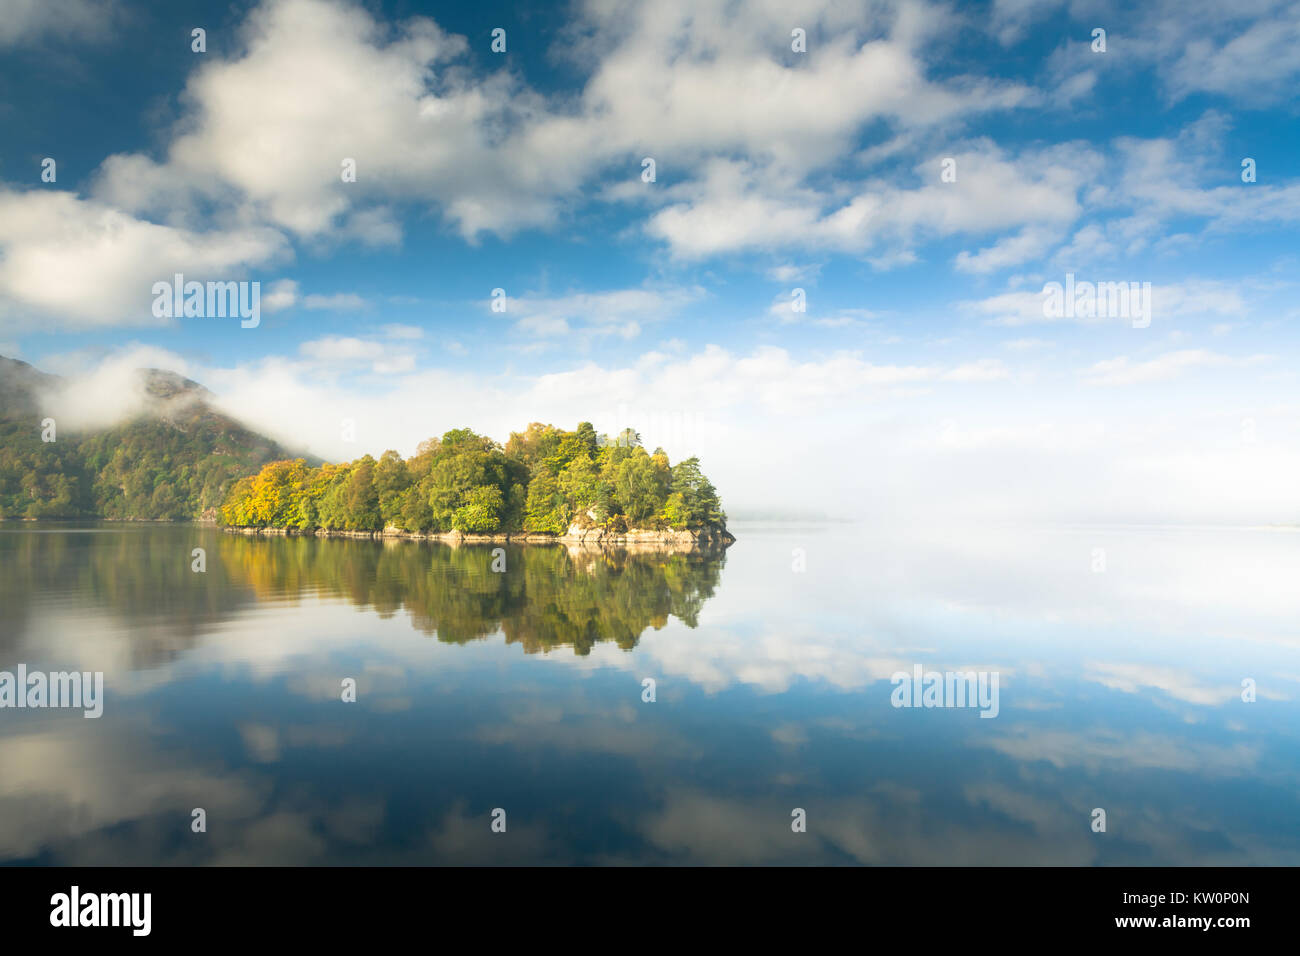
<point x="543" y="480"/>
<point x="174" y="459"/>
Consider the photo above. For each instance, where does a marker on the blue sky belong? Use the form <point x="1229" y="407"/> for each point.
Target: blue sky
<point x="924" y="353"/>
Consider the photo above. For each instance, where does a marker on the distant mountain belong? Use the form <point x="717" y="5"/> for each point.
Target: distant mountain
<point x="20" y="384"/>
<point x="173" y="459"/>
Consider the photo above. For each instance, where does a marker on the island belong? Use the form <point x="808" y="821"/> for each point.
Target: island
<point x="545" y="485"/>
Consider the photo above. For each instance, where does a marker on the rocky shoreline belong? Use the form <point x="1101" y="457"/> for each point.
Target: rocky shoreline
<point x="708" y="539"/>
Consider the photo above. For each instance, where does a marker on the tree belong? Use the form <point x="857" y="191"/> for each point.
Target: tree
<point x="360" y="500"/>
<point x="481" y="510"/>
<point x="693" y="502"/>
<point x="545" y="510"/>
<point x="639" y="487"/>
<point x="579" y="483"/>
<point x="586" y="435"/>
<point x="392" y="479"/>
<point x="533" y="444"/>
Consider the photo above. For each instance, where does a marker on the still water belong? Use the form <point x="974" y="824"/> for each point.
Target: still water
<point x="1120" y="657"/>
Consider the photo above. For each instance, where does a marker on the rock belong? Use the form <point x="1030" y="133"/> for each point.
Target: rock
<point x="578" y="535"/>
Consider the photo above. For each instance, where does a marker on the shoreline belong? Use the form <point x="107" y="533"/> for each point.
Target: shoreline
<point x="709" y="539"/>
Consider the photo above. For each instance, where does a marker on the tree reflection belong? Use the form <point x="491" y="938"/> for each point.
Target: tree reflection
<point x="544" y="597"/>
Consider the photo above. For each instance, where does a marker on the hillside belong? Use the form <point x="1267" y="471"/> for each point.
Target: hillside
<point x="174" y="459"/>
<point x="20" y="384"/>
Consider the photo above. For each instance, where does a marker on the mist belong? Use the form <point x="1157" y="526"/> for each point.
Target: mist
<point x="892" y="454"/>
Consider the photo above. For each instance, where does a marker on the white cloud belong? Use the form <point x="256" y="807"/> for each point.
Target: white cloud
<point x="789" y="272"/>
<point x="1028" y="244"/>
<point x="667" y="84"/>
<point x="320" y="82"/>
<point x="1009" y="308"/>
<point x="1026" y="344"/>
<point x="736" y="206"/>
<point x="317" y="82"/>
<point x="620" y="312"/>
<point x="382" y="358"/>
<point x="408" y="332"/>
<point x="1011" y="18"/>
<point x="339" y="302"/>
<point x="1249" y="53"/>
<point x="99" y="391"/>
<point x="985" y="370"/>
<point x="28" y="21"/>
<point x="1123" y="371"/>
<point x="1246" y="52"/>
<point x="280" y="295"/>
<point x="88" y="264"/>
<point x="751" y="141"/>
<point x="1195" y="299"/>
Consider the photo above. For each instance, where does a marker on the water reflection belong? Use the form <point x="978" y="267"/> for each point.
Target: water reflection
<point x="1119" y="690"/>
<point x="541" y="597"/>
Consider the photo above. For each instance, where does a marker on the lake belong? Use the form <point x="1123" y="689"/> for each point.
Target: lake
<point x="1150" y="673"/>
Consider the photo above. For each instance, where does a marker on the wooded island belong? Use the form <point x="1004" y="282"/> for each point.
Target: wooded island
<point x="543" y="481"/>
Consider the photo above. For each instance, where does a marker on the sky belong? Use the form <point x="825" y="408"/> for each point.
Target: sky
<point x="831" y="289"/>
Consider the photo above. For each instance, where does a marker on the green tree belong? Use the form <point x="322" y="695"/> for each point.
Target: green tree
<point x="693" y="501"/>
<point x="579" y="483"/>
<point x="545" y="510"/>
<point x="586" y="435"/>
<point x="640" y="488"/>
<point x="392" y="479"/>
<point x="481" y="510"/>
<point x="360" y="500"/>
